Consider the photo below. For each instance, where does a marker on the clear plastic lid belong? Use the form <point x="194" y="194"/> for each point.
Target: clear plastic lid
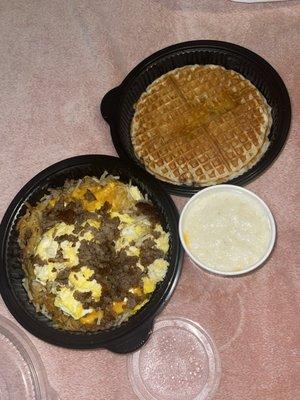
<point x="22" y="374"/>
<point x="179" y="361"/>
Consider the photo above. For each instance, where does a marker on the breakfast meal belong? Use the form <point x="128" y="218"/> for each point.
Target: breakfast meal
<point x="226" y="230"/>
<point x="93" y="252"/>
<point x="200" y="125"/>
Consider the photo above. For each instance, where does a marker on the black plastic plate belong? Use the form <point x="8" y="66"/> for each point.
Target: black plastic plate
<point x="117" y="104"/>
<point x="131" y="334"/>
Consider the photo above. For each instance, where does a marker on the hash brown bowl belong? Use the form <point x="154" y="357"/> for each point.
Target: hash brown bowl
<point x="130" y="334"/>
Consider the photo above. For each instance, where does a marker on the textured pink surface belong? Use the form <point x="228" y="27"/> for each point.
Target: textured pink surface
<point x="58" y="59"/>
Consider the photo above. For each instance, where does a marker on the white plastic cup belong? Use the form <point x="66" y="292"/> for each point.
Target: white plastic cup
<point x="245" y="192"/>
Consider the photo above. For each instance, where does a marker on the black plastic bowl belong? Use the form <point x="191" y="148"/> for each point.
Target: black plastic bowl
<point x="131" y="334"/>
<point x="117" y="105"/>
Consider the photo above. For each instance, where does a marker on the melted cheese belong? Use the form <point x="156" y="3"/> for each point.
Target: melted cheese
<point x="118" y="306"/>
<point x="115" y="193"/>
<point x="92" y="317"/>
<point x="226" y="231"/>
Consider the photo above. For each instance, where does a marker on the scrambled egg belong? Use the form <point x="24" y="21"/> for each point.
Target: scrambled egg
<point x="79" y="281"/>
<point x="140" y="266"/>
<point x="66" y="302"/>
<point x="148" y="285"/>
<point x="133" y="251"/>
<point x="127" y="219"/>
<point x="70" y="252"/>
<point x="62" y="229"/>
<point x="156" y="273"/>
<point x="48" y="272"/>
<point x="135" y="193"/>
<point x="47" y="248"/>
<point x="157" y="270"/>
<point x="162" y="242"/>
<point x="45" y="273"/>
<point x="131" y="232"/>
<point x="92" y="222"/>
<point x="86" y="236"/>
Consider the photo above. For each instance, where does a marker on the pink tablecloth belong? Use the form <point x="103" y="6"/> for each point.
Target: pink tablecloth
<point x="58" y="58"/>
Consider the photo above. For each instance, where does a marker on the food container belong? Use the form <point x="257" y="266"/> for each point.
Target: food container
<point x="129" y="335"/>
<point x="254" y="201"/>
<point x="22" y="374"/>
<point x="179" y="362"/>
<point x="117" y="106"/>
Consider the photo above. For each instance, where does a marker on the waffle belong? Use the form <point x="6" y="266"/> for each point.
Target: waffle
<point x="200" y="125"/>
